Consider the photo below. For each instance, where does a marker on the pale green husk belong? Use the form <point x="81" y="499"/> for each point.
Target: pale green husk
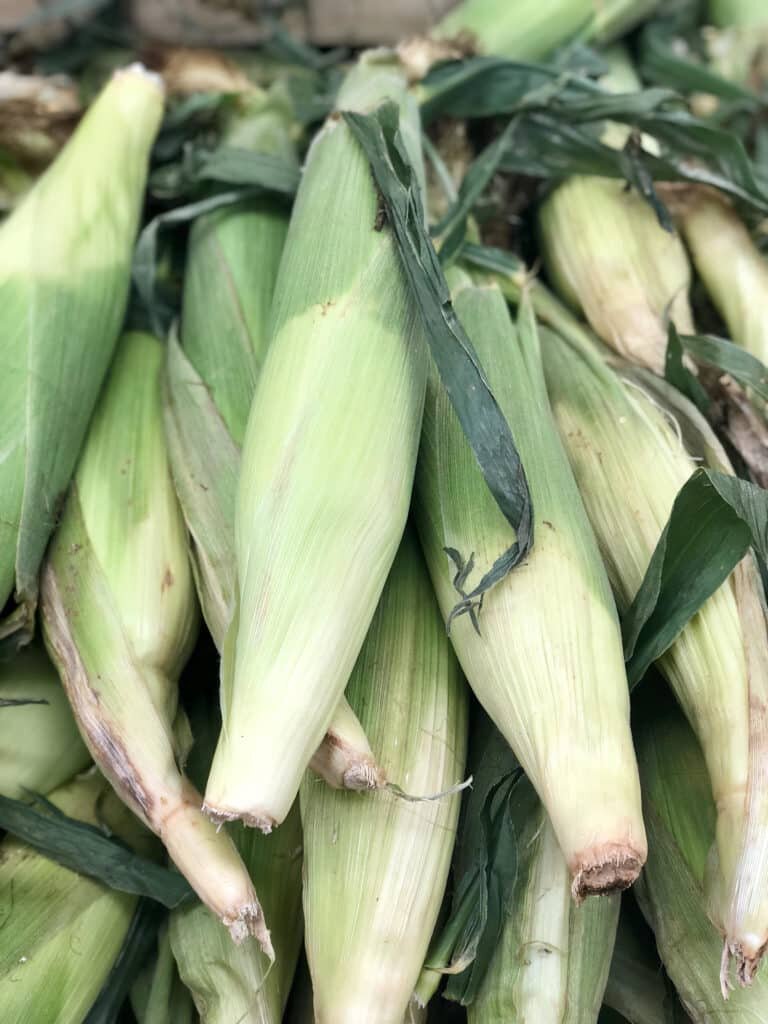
<point x="552" y="961"/>
<point x="327" y="467"/>
<point x="532" y="29"/>
<point x="629" y="459"/>
<point x="609" y="258"/>
<point x="549" y="645"/>
<point x="62" y="931"/>
<point x="65" y="255"/>
<point x="211" y="372"/>
<point x="636" y="986"/>
<point x="40" y="747"/>
<point x="375" y="866"/>
<point x="120" y="637"/>
<point x="680" y="815"/>
<point x="235" y="983"/>
<point x="734" y="271"/>
<point x="158" y="995"/>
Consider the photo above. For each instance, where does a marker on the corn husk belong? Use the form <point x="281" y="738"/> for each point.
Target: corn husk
<point x="301" y="1010"/>
<point x="608" y="257"/>
<point x="63" y="931"/>
<point x="40" y="746"/>
<point x="680" y="815"/>
<point x="120" y="638"/>
<point x="636" y="986"/>
<point x="532" y="29"/>
<point x="211" y="372"/>
<point x="65" y="255"/>
<point x="549" y="646"/>
<point x="375" y="867"/>
<point x="327" y="467"/>
<point x="158" y="995"/>
<point x="630" y="460"/>
<point x="551" y="964"/>
<point x="235" y="983"/>
<point x="734" y="271"/>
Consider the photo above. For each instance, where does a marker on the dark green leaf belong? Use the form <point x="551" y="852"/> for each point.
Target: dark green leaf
<point x="678" y="374"/>
<point x="85" y="849"/>
<point x="740" y="364"/>
<point x="485" y="863"/>
<point x="20" y="702"/>
<point x="462" y="376"/>
<point x="136" y="948"/>
<point x="714" y="520"/>
<point x="288" y="48"/>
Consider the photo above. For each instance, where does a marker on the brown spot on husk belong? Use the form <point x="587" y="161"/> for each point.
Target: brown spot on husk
<point x="605" y="870"/>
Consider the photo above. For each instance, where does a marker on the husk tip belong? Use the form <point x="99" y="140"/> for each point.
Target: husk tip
<point x="607" y="869"/>
<point x="220" y="816"/>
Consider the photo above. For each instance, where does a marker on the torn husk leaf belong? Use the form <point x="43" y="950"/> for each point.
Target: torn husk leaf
<point x="62" y="931"/>
<point x="551" y="964"/>
<point x="734" y="271"/>
<point x="233" y="257"/>
<point x="120" y="639"/>
<point x="532" y="29"/>
<point x="608" y="257"/>
<point x="567" y="653"/>
<point x="375" y="867"/>
<point x="65" y="255"/>
<point x="239" y="983"/>
<point x="630" y="461"/>
<point x="680" y="815"/>
<point x="40" y="747"/>
<point x="327" y="466"/>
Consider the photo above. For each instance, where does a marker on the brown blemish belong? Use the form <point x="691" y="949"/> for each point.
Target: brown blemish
<point x="168" y="580"/>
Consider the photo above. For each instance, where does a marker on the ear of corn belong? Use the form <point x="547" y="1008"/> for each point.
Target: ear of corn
<point x="532" y="29"/>
<point x="731" y="266"/>
<point x="40" y="747"/>
<point x="232" y="262"/>
<point x="120" y="638"/>
<point x="327" y="468"/>
<point x="238" y="983"/>
<point x="376" y="866"/>
<point x="608" y="257"/>
<point x="552" y="961"/>
<point x="64" y="931"/>
<point x="65" y="256"/>
<point x="680" y="814"/>
<point x="629" y="459"/>
<point x="630" y="462"/>
<point x="549" y="645"/>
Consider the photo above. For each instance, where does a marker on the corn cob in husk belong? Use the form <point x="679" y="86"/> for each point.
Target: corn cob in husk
<point x="40" y="747"/>
<point x="608" y="257"/>
<point x="65" y="255"/>
<point x="375" y="867"/>
<point x="120" y="638"/>
<point x="547" y="662"/>
<point x="327" y="467"/>
<point x="734" y="271"/>
<point x="532" y="29"/>
<point x="62" y="931"/>
<point x="552" y="962"/>
<point x="211" y="372"/>
<point x="680" y="814"/>
<point x="629" y="458"/>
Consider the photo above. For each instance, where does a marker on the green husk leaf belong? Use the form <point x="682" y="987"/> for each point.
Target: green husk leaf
<point x="714" y="520"/>
<point x="733" y="359"/>
<point x="137" y="946"/>
<point x="678" y="374"/>
<point x="85" y="849"/>
<point x="485" y="867"/>
<point x="477" y="410"/>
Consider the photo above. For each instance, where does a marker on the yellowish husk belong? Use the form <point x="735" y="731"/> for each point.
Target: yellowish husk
<point x="376" y="866"/>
